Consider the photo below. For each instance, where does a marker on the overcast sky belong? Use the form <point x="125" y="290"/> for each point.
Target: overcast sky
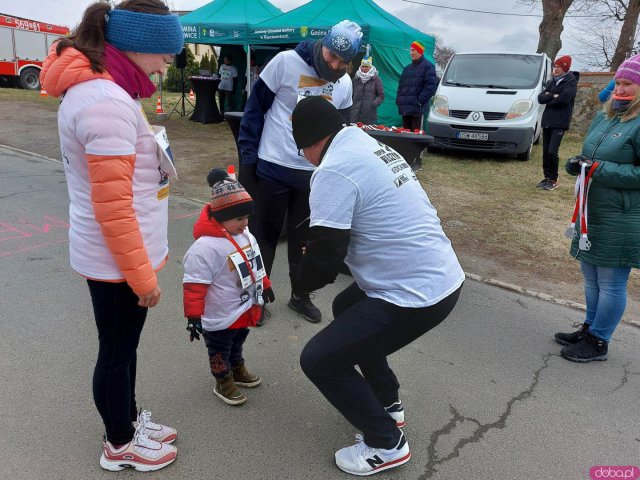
<point x="463" y="31"/>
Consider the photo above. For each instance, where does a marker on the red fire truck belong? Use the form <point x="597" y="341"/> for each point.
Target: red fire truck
<point x="23" y="47"/>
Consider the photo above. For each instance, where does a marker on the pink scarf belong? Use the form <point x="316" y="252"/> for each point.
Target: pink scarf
<point x="127" y="74"/>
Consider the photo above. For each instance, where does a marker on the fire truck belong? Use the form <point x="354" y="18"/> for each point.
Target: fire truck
<point x="24" y="45"/>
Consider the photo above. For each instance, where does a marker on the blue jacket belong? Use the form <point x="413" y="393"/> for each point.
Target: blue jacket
<point x="417" y="85"/>
<point x="606" y="92"/>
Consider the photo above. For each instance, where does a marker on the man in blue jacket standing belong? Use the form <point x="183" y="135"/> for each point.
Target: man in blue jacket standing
<point x="417" y="85"/>
<point x="272" y="169"/>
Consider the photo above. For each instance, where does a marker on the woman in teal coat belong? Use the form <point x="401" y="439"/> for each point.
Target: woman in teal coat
<point x="608" y="243"/>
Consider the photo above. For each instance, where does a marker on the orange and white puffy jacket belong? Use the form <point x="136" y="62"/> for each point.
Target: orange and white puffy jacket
<point x="118" y="194"/>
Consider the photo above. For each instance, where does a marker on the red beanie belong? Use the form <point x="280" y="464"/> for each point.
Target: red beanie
<point x="563" y="62"/>
<point x="417" y="46"/>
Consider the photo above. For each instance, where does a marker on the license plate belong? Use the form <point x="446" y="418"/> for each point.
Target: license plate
<point x="472" y="136"/>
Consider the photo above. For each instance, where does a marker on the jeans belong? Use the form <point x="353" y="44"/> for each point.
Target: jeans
<point x="551" y="139"/>
<point x="605" y="291"/>
<point x="225" y="349"/>
<point x="119" y="320"/>
<point x="275" y="201"/>
<point x="365" y="331"/>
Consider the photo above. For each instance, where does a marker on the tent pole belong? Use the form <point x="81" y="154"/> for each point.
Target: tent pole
<point x="248" y="71"/>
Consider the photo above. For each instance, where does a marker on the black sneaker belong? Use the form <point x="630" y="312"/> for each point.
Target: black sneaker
<point x="572" y="338"/>
<point x="542" y="183"/>
<point x="588" y="349"/>
<point x="550" y="185"/>
<point x="302" y="304"/>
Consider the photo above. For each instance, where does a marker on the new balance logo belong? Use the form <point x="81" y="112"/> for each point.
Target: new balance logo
<point x="375" y="462"/>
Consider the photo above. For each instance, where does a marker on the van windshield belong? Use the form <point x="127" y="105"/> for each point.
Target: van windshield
<point x="493" y="71"/>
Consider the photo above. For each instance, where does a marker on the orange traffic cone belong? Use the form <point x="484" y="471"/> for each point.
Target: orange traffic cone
<point x="192" y="97"/>
<point x="43" y="92"/>
<point x="159" y="107"/>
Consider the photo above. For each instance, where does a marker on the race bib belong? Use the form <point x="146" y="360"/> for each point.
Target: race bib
<point x="165" y="157"/>
<point x="241" y="267"/>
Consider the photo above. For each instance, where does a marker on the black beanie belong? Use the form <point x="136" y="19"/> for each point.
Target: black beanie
<point x="313" y="119"/>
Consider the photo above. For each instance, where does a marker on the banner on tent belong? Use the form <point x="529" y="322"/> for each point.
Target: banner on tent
<point x="291" y="34"/>
<point x="203" y="33"/>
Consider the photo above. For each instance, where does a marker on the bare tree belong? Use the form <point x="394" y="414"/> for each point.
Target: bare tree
<point x="609" y="36"/>
<point x="553" y="13"/>
<point x="627" y="32"/>
<point x="441" y="53"/>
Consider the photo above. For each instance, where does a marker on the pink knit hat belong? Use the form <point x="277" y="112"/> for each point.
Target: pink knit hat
<point x="630" y="69"/>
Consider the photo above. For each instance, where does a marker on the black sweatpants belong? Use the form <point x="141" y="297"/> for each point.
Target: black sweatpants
<point x="365" y="331"/>
<point x="119" y="320"/>
<point x="551" y="140"/>
<point x="275" y="201"/>
<point x="414" y="122"/>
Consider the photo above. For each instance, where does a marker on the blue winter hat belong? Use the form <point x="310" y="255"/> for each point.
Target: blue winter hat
<point x="344" y="39"/>
<point x="144" y="32"/>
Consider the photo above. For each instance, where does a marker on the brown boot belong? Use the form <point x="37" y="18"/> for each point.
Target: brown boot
<point x="243" y="378"/>
<point x="227" y="391"/>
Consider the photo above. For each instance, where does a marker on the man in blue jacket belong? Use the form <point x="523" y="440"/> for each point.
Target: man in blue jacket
<point x="417" y="85"/>
<point x="272" y="170"/>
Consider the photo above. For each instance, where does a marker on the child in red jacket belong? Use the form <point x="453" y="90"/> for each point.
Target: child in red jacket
<point x="225" y="285"/>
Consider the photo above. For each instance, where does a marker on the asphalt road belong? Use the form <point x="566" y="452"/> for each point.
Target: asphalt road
<point x="486" y="394"/>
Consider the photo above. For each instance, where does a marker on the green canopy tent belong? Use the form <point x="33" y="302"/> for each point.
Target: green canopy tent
<point x="227" y="23"/>
<point x="388" y="36"/>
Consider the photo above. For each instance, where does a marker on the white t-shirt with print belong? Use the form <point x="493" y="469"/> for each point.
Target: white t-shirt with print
<point x="227" y="74"/>
<point x="398" y="251"/>
<point x="214" y="261"/>
<point x="291" y="79"/>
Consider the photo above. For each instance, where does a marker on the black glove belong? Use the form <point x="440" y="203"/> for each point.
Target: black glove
<point x="194" y="326"/>
<point x="268" y="296"/>
<point x="248" y="178"/>
<point x="574" y="164"/>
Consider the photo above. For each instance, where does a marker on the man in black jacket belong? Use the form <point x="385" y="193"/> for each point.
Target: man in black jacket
<point x="558" y="96"/>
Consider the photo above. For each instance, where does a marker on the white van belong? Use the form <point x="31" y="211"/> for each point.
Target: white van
<point x="488" y="102"/>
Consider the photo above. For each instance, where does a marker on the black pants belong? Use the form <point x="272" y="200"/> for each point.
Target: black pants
<point x="225" y="349"/>
<point x="365" y="331"/>
<point x="224" y="97"/>
<point x="551" y="140"/>
<point x="119" y="320"/>
<point x="274" y="202"/>
<point x="414" y="122"/>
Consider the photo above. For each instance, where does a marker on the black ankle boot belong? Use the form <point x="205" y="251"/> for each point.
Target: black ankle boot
<point x="572" y="338"/>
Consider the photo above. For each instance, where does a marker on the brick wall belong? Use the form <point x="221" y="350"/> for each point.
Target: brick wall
<point x="587" y="104"/>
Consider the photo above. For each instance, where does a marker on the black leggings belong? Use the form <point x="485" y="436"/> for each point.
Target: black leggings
<point x="365" y="331"/>
<point x="119" y="320"/>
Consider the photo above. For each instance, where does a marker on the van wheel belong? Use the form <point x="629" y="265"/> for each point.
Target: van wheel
<point x="30" y="79"/>
<point x="525" y="156"/>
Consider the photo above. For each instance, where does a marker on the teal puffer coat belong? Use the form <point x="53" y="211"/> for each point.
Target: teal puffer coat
<point x="613" y="208"/>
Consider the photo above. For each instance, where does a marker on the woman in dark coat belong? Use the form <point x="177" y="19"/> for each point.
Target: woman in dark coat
<point x="558" y="96"/>
<point x="368" y="93"/>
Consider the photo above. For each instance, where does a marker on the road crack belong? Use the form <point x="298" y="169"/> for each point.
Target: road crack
<point x="480" y="430"/>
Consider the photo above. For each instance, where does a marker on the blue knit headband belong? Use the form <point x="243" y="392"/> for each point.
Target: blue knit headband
<point x="144" y="32"/>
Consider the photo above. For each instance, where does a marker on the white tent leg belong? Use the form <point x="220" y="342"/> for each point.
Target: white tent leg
<point x="248" y="88"/>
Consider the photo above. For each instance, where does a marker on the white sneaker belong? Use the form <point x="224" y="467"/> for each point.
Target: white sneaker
<point x="361" y="459"/>
<point x="155" y="431"/>
<point x="141" y="453"/>
<point x="396" y="411"/>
